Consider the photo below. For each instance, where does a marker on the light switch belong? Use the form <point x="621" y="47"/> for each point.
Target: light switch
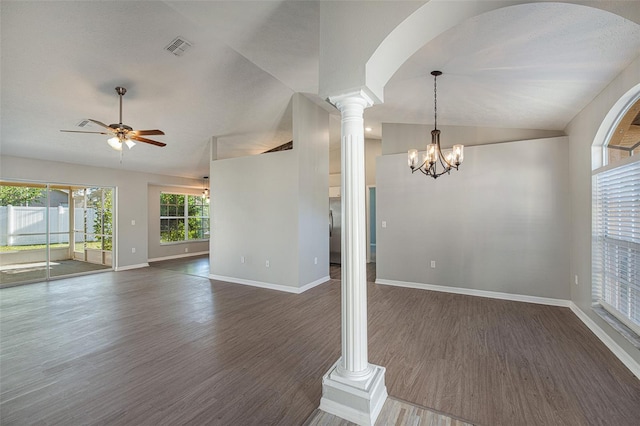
<point x="133" y="222"/>
<point x="384" y="223"/>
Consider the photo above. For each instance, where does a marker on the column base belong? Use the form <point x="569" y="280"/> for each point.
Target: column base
<point x="359" y="401"/>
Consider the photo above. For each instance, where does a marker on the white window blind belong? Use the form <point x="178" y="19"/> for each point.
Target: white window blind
<point x="616" y="245"/>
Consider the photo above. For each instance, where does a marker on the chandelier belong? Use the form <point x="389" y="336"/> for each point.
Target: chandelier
<point x="436" y="162"/>
<point x="205" y="189"/>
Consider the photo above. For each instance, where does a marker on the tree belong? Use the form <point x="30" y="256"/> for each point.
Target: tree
<point x="20" y="195"/>
<point x="102" y="201"/>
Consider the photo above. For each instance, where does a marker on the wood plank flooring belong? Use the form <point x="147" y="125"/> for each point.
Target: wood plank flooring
<point x="157" y="346"/>
<point x="194" y="265"/>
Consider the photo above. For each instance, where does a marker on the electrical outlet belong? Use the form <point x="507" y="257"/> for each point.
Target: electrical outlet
<point x="384" y="223"/>
<point x="241" y="259"/>
<point x="315" y="260"/>
<point x="133" y="249"/>
<point x="186" y="249"/>
<point x="266" y="264"/>
<point x="433" y="264"/>
<point x="133" y="222"/>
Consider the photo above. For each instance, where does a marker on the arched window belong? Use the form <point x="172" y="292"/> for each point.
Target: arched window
<point x="616" y="220"/>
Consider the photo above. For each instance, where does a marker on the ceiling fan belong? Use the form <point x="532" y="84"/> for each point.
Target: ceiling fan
<point x="121" y="133"/>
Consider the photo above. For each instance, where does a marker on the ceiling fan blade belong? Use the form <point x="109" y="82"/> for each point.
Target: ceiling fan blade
<point x="82" y="131"/>
<point x="99" y="123"/>
<point x="145" y="140"/>
<point x="147" y="132"/>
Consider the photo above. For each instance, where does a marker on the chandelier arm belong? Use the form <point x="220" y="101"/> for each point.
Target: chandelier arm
<point x="443" y="162"/>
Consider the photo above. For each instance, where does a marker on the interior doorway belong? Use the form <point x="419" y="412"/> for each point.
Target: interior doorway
<point x="370" y="200"/>
<point x="49" y="231"/>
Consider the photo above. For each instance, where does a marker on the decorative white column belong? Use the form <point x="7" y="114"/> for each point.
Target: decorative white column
<point x="352" y="388"/>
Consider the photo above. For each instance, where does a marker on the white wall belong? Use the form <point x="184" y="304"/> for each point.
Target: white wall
<point x="582" y="133"/>
<point x="167" y="251"/>
<point x="350" y="31"/>
<point x="275" y="207"/>
<point x="311" y="143"/>
<point x="501" y="223"/>
<point x="254" y="214"/>
<point x="131" y="197"/>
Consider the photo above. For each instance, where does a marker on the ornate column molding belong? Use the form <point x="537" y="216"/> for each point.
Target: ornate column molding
<point x="353" y="389"/>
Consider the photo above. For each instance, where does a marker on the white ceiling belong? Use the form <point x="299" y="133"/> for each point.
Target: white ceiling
<point x="529" y="66"/>
<point x="532" y="66"/>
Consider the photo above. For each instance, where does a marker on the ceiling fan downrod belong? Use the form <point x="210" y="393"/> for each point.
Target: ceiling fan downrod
<point x="121" y="91"/>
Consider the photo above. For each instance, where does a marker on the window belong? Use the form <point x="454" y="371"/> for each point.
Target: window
<point x="616" y="241"/>
<point x="183" y="218"/>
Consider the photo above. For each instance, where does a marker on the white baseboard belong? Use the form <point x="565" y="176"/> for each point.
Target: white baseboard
<point x="622" y="355"/>
<point x="178" y="256"/>
<point x="270" y="286"/>
<point x="480" y="293"/>
<point x="313" y="284"/>
<point x="126" y="268"/>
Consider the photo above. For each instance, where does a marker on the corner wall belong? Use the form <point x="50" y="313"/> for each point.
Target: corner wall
<point x="274" y="207"/>
<point x="582" y="131"/>
<point x="500" y="224"/>
<point x="311" y="135"/>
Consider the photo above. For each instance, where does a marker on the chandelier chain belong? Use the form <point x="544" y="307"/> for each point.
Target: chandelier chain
<point x="435" y="102"/>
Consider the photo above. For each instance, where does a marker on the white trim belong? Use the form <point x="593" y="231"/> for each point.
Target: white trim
<point x="270" y="286"/>
<point x="173" y="243"/>
<point x="480" y="293"/>
<point x="126" y="268"/>
<point x="620" y="317"/>
<point x="313" y="284"/>
<point x="624" y="162"/>
<point x="620" y="353"/>
<point x="178" y="256"/>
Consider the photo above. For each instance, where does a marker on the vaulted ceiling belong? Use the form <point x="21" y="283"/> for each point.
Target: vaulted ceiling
<point x="527" y="66"/>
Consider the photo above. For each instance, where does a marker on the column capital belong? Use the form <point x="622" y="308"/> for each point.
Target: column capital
<point x="362" y="97"/>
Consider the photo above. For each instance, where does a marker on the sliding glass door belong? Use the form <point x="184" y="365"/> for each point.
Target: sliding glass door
<point x="93" y="225"/>
<point x="49" y="231"/>
<point x="23" y="233"/>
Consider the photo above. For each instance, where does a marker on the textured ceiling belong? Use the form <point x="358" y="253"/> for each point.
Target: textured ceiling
<point x="532" y="66"/>
<point x="529" y="66"/>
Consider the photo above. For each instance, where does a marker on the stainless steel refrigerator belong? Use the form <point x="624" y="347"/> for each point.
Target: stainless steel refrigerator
<point x="335" y="228"/>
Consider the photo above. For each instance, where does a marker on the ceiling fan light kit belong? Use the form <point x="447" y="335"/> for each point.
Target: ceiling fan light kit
<point x="447" y="160"/>
<point x="121" y="133"/>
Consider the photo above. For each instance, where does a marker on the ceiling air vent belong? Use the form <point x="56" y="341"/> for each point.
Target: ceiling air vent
<point x="178" y="46"/>
<point x="83" y="123"/>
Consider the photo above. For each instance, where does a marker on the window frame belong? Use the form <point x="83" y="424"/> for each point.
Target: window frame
<point x="600" y="244"/>
<point x="185" y="217"/>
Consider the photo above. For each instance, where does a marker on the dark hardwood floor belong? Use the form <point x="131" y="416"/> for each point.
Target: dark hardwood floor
<point x="194" y="265"/>
<point x="158" y="346"/>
